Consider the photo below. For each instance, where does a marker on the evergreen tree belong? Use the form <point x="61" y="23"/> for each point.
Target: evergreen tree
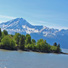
<point x="17" y="38"/>
<point x="22" y="42"/>
<point x="0" y="33"/>
<point x="5" y="32"/>
<point x="59" y="45"/>
<point x="28" y="39"/>
<point x="58" y="50"/>
<point x="41" y="45"/>
<point x="33" y="41"/>
<point x="55" y="44"/>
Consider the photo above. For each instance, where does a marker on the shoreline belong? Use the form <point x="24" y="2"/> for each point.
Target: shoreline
<point x="35" y="51"/>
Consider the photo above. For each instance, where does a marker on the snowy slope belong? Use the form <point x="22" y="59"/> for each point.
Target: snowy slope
<point x="21" y="25"/>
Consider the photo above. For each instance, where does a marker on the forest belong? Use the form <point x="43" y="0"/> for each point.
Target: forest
<point x="25" y="43"/>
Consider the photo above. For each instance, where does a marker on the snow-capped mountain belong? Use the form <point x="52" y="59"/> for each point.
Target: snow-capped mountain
<point x="20" y="25"/>
<point x="50" y="34"/>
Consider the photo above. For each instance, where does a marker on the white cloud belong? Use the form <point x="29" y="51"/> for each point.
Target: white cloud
<point x="49" y="24"/>
<point x="37" y="22"/>
<point x="7" y="17"/>
<point x="43" y="22"/>
<point x="4" y="18"/>
<point x="1" y="21"/>
<point x="52" y="25"/>
<point x="59" y="27"/>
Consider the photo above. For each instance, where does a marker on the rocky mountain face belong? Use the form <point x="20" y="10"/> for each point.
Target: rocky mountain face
<point x="52" y="35"/>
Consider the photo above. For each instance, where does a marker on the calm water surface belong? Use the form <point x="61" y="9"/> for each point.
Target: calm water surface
<point x="21" y="59"/>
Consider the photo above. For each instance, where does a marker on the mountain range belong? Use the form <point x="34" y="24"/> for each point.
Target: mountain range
<point x="52" y="35"/>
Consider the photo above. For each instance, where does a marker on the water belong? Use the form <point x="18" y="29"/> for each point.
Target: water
<point x="22" y="59"/>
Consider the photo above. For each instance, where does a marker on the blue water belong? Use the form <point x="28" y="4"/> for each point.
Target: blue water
<point x="22" y="59"/>
<point x="65" y="50"/>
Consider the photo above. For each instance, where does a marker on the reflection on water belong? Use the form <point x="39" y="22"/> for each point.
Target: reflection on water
<point x="22" y="59"/>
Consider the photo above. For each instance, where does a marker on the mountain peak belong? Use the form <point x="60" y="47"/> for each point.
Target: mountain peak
<point x="19" y="19"/>
<point x="17" y="23"/>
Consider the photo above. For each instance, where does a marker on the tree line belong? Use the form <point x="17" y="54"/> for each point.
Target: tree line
<point x="24" y="42"/>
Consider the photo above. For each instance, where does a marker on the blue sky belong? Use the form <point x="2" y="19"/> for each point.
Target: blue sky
<point x="50" y="13"/>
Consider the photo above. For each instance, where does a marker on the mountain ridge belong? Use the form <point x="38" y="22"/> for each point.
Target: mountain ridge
<point x="50" y="34"/>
